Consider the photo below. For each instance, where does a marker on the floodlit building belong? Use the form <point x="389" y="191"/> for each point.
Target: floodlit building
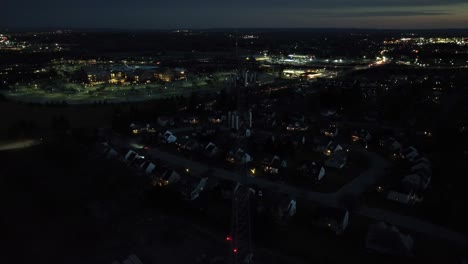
<point x="96" y="75"/>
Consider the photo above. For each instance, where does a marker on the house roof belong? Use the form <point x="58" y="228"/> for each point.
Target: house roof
<point x="311" y="167"/>
<point x="187" y="184"/>
<point x="388" y="239"/>
<point x="337" y="158"/>
<point x="409" y="150"/>
<point x="210" y="147"/>
<point x="424" y="173"/>
<point x="275" y="162"/>
<point x="340" y="155"/>
<point x="422" y="160"/>
<point x="389" y="141"/>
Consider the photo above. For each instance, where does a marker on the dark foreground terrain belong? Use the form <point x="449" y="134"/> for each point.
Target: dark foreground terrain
<point x="62" y="205"/>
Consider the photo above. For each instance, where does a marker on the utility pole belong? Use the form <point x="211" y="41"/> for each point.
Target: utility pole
<point x="241" y="228"/>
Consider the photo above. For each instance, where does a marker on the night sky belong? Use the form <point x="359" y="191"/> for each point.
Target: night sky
<point x="157" y="14"/>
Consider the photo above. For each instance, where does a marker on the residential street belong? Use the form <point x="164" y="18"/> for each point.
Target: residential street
<point x="355" y="187"/>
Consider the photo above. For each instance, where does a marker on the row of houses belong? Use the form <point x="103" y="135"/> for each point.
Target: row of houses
<point x="189" y="186"/>
<point x="418" y="177"/>
<point x="381" y="237"/>
<point x="268" y="164"/>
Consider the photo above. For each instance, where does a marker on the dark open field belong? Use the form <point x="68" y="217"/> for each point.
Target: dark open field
<point x="79" y="116"/>
<point x="60" y="206"/>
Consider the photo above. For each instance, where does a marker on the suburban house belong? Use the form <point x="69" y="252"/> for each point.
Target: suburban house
<point x="111" y="153"/>
<point x="187" y="143"/>
<point x="169" y="176"/>
<point x="320" y="144"/>
<point x="335" y="220"/>
<point x="138" y="128"/>
<point x="332" y="147"/>
<point x="297" y="126"/>
<point x="337" y="160"/>
<point x="423" y="161"/>
<point x="328" y="112"/>
<point x="417" y="181"/>
<point x="361" y="136"/>
<point x="268" y="120"/>
<point x="390" y="144"/>
<point x="331" y="131"/>
<point x="248" y="133"/>
<point x="190" y="187"/>
<point x="131" y="156"/>
<point x="108" y="152"/>
<point x="371" y="116"/>
<point x="138" y="162"/>
<point x="192" y="120"/>
<point x="298" y="140"/>
<point x="420" y="177"/>
<point x="240" y="156"/>
<point x="410" y="153"/>
<point x="387" y="239"/>
<point x="313" y="170"/>
<point x="148" y="167"/>
<point x="169" y="137"/>
<point x="274" y="165"/>
<point x="216" y="119"/>
<point x="281" y="207"/>
<point x="403" y="196"/>
<point x="165" y="121"/>
<point x="211" y="150"/>
<point x="96" y="75"/>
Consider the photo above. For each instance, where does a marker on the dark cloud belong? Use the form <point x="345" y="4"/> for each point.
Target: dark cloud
<point x="180" y="4"/>
<point x="393" y="14"/>
<point x="218" y="13"/>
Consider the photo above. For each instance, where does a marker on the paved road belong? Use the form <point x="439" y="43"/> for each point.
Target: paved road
<point x="355" y="187"/>
<point x="416" y="225"/>
<point x="19" y="144"/>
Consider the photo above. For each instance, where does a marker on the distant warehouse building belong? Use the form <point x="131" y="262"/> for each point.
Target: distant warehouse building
<point x="95" y="75"/>
<point x="301" y="73"/>
<point x="158" y="74"/>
